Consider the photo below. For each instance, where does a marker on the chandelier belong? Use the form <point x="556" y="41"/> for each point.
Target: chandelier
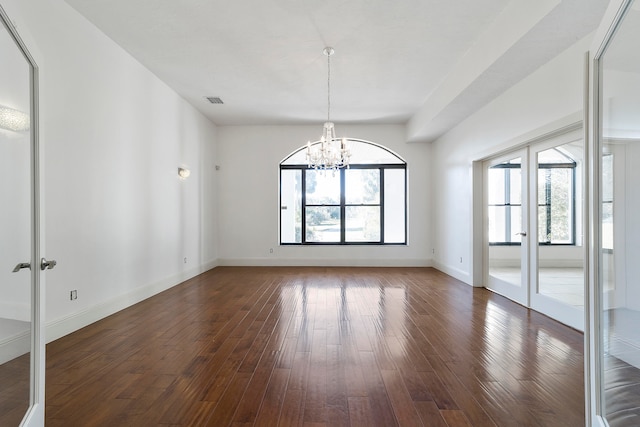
<point x="330" y="153"/>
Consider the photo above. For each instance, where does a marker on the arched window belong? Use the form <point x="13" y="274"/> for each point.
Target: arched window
<point x="365" y="204"/>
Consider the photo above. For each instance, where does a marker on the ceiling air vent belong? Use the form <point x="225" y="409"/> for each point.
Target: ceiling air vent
<point x="214" y="99"/>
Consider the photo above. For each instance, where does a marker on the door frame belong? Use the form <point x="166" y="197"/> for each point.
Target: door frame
<point x="34" y="416"/>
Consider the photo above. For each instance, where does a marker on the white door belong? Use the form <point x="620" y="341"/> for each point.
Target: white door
<point x="556" y="282"/>
<point x="533" y="210"/>
<point x="614" y="300"/>
<point x="21" y="342"/>
<point x="506" y="225"/>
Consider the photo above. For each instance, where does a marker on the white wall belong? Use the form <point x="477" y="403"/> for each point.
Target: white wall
<point x="117" y="218"/>
<point x="249" y="158"/>
<point x="630" y="246"/>
<point x="550" y="97"/>
<point x="621" y="108"/>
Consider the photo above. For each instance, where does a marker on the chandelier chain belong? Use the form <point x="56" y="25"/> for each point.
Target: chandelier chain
<point x="329" y="87"/>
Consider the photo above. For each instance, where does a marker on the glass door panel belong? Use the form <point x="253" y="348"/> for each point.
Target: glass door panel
<point x="505" y="184"/>
<point x="15" y="231"/>
<point x="618" y="287"/>
<point x="557" y="264"/>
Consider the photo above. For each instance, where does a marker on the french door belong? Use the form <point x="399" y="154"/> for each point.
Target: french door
<point x="21" y="340"/>
<point x="533" y="216"/>
<point x="507" y="224"/>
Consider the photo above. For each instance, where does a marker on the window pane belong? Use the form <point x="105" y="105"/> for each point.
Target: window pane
<point x="497" y="215"/>
<point x="544" y="202"/>
<point x="555" y="197"/>
<point x="543" y="236"/>
<point x="362" y="224"/>
<point x="607" y="177"/>
<point x="554" y="155"/>
<point x="515" y="186"/>
<point x="544" y="180"/>
<point x="516" y="224"/>
<point x="504" y="224"/>
<point x="607" y="201"/>
<point x="362" y="152"/>
<point x="362" y="186"/>
<point x="291" y="206"/>
<point x="323" y="224"/>
<point x="394" y="206"/>
<point x="496" y="186"/>
<point x="561" y="205"/>
<point x="366" y="153"/>
<point x="322" y="187"/>
<point x="607" y="225"/>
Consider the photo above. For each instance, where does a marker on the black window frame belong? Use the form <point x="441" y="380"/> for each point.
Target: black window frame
<point x="507" y="202"/>
<point x="546" y="204"/>
<point x="381" y="167"/>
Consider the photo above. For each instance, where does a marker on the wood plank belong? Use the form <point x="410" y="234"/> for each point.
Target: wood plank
<point x="430" y="414"/>
<point x="455" y="418"/>
<point x="273" y="398"/>
<point x="291" y="413"/>
<point x="316" y="397"/>
<point x="401" y="402"/>
<point x="360" y="413"/>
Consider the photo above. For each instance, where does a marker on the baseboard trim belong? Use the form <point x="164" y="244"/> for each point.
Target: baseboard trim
<point x="329" y="262"/>
<point x="14" y="346"/>
<point x="63" y="326"/>
<point x="461" y="275"/>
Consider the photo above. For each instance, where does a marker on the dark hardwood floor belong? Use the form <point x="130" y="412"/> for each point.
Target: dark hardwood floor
<point x="14" y="390"/>
<point x="319" y="347"/>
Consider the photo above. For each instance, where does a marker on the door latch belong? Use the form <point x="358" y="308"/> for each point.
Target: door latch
<point x="44" y="264"/>
<point x="21" y="266"/>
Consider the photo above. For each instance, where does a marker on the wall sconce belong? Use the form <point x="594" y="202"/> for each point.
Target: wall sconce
<point x="14" y="120"/>
<point x="184" y="173"/>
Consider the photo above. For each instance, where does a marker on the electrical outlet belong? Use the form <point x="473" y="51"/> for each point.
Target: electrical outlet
<point x="270" y="250"/>
<point x="185" y="260"/>
<point x="73" y="295"/>
<point x="460" y="260"/>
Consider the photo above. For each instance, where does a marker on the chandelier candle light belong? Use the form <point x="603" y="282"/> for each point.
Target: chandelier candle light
<point x="13" y="120"/>
<point x="331" y="152"/>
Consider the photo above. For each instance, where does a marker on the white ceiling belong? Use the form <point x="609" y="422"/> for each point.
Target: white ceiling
<point x="426" y="63"/>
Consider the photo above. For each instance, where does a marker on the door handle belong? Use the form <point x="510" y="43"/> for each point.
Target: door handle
<point x="44" y="264"/>
<point x="522" y="233"/>
<point x="21" y="266"/>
